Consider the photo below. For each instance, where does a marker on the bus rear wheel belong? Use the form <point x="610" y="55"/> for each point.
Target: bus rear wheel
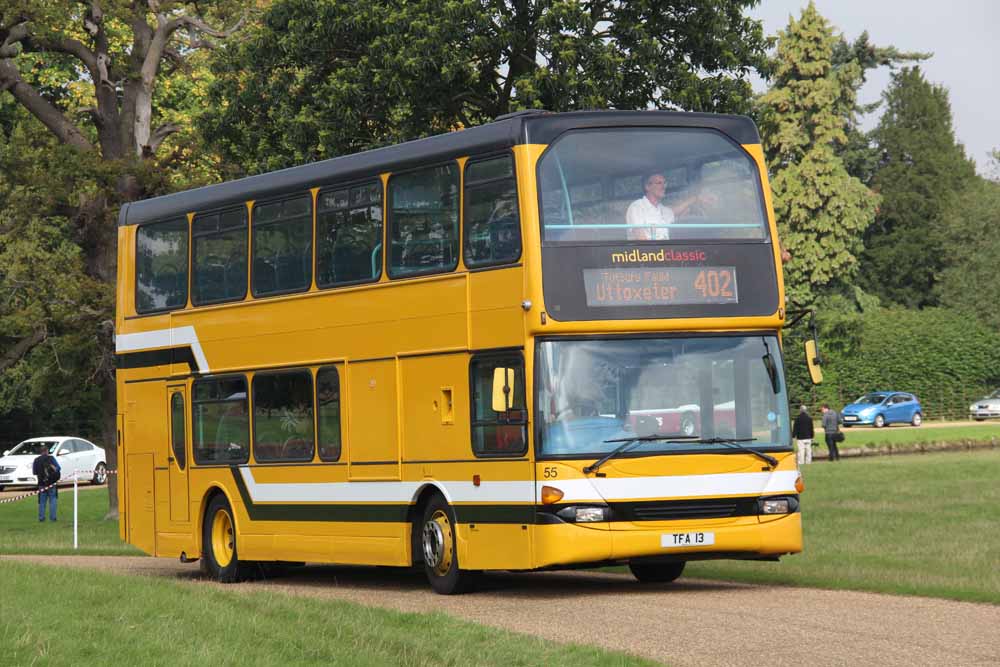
<point x="657" y="573"/>
<point x="437" y="545"/>
<point x="220" y="560"/>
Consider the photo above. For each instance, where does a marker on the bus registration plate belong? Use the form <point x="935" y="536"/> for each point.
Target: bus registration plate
<point x="677" y="540"/>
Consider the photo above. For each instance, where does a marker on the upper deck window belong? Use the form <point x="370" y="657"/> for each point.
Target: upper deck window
<point x="161" y="266"/>
<point x="219" y="252"/>
<point x="349" y="235"/>
<point x="282" y="246"/>
<point x="492" y="223"/>
<point x="663" y="184"/>
<point x="423" y="221"/>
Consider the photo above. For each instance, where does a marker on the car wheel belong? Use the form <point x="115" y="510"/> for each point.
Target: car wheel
<point x="879" y="421"/>
<point x="917" y="420"/>
<point x="847" y="425"/>
<point x="978" y="419"/>
<point x="2" y="488"/>
<point x="220" y="559"/>
<point x="688" y="426"/>
<point x="437" y="542"/>
<point x="100" y="474"/>
<point x="657" y="573"/>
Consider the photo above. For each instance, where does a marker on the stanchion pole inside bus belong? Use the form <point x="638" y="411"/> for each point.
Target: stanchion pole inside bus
<point x="75" y="498"/>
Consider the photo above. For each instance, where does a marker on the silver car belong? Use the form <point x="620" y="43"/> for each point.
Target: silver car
<point x="986" y="408"/>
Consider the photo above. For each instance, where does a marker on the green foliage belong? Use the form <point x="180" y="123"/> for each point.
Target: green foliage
<point x="969" y="281"/>
<point x="320" y="78"/>
<point x="946" y="359"/>
<point x="920" y="167"/>
<point x="46" y="293"/>
<point x="820" y="208"/>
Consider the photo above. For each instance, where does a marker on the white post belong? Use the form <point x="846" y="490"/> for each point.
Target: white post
<point x="75" y="497"/>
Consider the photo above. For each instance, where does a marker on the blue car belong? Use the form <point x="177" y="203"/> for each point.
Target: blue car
<point x="881" y="408"/>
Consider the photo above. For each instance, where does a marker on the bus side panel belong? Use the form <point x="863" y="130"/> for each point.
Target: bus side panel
<point x="496" y="318"/>
<point x="141" y="521"/>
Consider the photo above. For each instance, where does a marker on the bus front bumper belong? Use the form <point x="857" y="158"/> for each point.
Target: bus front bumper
<point x="746" y="537"/>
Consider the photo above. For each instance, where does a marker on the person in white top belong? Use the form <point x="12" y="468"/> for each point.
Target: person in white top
<point x="648" y="218"/>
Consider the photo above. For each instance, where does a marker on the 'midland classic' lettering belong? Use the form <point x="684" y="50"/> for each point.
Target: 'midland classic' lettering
<point x="662" y="255"/>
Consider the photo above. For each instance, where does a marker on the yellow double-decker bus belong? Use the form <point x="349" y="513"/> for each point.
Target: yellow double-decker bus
<point x="552" y="341"/>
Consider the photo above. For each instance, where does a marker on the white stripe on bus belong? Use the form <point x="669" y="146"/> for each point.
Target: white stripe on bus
<point x="631" y="488"/>
<point x="163" y="339"/>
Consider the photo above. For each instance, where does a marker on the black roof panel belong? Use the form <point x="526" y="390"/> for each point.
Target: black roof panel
<point x="512" y="130"/>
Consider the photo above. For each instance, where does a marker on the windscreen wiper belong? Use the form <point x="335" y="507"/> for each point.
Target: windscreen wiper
<point x="628" y="442"/>
<point x="735" y="443"/>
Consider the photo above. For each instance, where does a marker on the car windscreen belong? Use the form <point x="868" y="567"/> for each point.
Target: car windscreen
<point x="871" y="399"/>
<point x="34" y="448"/>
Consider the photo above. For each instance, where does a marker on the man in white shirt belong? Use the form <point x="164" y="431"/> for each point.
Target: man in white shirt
<point x="648" y="218"/>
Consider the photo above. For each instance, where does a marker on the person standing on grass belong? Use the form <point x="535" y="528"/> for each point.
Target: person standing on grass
<point x="803" y="433"/>
<point x="831" y="429"/>
<point x="47" y="471"/>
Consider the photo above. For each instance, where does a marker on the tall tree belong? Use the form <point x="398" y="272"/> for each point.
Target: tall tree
<point x="969" y="281"/>
<point x="320" y="78"/>
<point x="821" y="209"/>
<point x="90" y="72"/>
<point x="860" y="156"/>
<point x="920" y="166"/>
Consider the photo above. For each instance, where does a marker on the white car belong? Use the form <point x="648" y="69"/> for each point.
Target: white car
<point x="986" y="408"/>
<point x="76" y="456"/>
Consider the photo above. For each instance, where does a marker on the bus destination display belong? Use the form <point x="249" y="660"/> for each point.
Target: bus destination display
<point x="660" y="286"/>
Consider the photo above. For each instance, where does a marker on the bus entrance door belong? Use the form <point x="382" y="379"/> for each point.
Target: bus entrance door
<point x="373" y="423"/>
<point x="177" y="458"/>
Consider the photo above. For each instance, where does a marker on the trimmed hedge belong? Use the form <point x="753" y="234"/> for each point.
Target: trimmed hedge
<point x="948" y="360"/>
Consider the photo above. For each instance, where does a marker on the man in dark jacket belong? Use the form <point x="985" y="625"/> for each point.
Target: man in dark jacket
<point x="802" y="432"/>
<point x="47" y="471"/>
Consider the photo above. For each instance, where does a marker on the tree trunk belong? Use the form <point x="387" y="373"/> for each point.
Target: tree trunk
<point x="112" y="443"/>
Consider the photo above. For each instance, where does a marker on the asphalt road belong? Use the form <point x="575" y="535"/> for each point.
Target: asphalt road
<point x="690" y="622"/>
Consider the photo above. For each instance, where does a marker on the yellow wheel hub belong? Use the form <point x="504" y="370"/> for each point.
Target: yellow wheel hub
<point x="223" y="539"/>
<point x="438" y="543"/>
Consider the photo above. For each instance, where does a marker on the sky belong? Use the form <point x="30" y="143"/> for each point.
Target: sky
<point x="961" y="34"/>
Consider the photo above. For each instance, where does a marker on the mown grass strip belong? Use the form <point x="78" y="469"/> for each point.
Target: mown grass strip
<point x="98" y="618"/>
<point x="913" y="438"/>
<point x="921" y="525"/>
<point x="22" y="533"/>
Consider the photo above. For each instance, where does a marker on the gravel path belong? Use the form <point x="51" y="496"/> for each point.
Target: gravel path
<point x="691" y="622"/>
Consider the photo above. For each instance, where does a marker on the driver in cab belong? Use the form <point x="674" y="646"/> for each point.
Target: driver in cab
<point x="648" y="218"/>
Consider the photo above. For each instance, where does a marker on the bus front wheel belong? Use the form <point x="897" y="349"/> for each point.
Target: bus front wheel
<point x="657" y="573"/>
<point x="220" y="560"/>
<point x="437" y="543"/>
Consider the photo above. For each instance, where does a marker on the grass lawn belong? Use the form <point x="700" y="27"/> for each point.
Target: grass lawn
<point x="922" y="525"/>
<point x="22" y="533"/>
<point x="903" y="437"/>
<point x="102" y="618"/>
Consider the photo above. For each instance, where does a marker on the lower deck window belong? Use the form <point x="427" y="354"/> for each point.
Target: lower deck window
<point x="220" y="420"/>
<point x="498" y="433"/>
<point x="283" y="416"/>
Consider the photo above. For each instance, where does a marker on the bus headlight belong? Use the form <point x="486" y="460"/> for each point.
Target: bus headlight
<point x="575" y="514"/>
<point x="775" y="506"/>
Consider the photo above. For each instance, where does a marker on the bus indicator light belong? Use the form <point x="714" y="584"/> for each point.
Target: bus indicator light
<point x="551" y="494"/>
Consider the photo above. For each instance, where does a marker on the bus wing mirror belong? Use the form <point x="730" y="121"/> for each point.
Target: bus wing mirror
<point x="503" y="383"/>
<point x="813" y="362"/>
